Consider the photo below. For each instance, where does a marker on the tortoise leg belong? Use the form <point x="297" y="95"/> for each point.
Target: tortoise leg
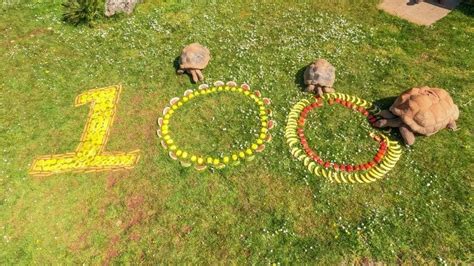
<point x="407" y="134"/>
<point x="193" y="74"/>
<point x="310" y="88"/>
<point x="452" y="125"/>
<point x="395" y="122"/>
<point x="199" y="73"/>
<point x="387" y="114"/>
<point x="329" y="89"/>
<point x="180" y="71"/>
<point x="319" y="91"/>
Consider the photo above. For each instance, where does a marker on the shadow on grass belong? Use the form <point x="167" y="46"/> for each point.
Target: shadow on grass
<point x="299" y="79"/>
<point x="176" y="68"/>
<point x="467" y="8"/>
<point x="384" y="104"/>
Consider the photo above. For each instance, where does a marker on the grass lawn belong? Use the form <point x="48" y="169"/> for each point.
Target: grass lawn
<point x="265" y="211"/>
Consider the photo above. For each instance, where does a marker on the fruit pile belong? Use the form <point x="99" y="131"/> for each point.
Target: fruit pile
<point x="201" y="161"/>
<point x="89" y="155"/>
<point x="385" y="159"/>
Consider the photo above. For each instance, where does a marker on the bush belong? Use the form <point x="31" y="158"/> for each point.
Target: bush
<point x="82" y="11"/>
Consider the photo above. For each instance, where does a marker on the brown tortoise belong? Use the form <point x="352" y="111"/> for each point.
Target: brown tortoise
<point x="420" y="110"/>
<point x="319" y="76"/>
<point x="193" y="59"/>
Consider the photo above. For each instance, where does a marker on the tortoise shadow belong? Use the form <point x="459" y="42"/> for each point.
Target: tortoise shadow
<point x="299" y="79"/>
<point x="384" y="104"/>
<point x="176" y="64"/>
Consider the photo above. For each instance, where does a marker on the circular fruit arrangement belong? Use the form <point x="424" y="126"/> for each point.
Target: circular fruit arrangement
<point x="387" y="155"/>
<point x="202" y="161"/>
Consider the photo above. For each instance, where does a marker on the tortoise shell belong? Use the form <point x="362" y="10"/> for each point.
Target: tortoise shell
<point x="320" y="73"/>
<point x="194" y="56"/>
<point x="425" y="110"/>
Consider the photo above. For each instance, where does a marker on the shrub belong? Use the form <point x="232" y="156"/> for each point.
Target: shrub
<point x="82" y="11"/>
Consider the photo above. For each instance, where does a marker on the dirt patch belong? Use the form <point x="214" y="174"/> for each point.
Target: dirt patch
<point x="112" y="250"/>
<point x="134" y="202"/>
<point x="31" y="34"/>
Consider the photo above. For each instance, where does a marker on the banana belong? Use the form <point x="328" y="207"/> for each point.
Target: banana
<point x="292" y="142"/>
<point x="385" y="167"/>
<point x="301" y="157"/>
<point x="379" y="170"/>
<point x="374" y="174"/>
<point x="353" y="99"/>
<point x="311" y="166"/>
<point x="317" y="170"/>
<point x="334" y="175"/>
<point x="324" y="173"/>
<point x="357" y="178"/>
<point x="307" y="160"/>
<point x="364" y="178"/>
<point x="295" y="151"/>
<point x="350" y="178"/>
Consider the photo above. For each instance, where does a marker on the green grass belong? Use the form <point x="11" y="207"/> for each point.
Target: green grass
<point x="267" y="210"/>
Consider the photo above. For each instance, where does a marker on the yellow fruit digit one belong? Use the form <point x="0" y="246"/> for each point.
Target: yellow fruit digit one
<point x="89" y="155"/>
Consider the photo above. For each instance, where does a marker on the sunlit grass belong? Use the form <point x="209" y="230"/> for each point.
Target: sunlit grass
<point x="269" y="210"/>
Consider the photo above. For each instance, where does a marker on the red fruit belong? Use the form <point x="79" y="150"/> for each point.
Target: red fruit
<point x="300" y="131"/>
<point x="372" y="163"/>
<point x="366" y="166"/>
<point x="338" y="100"/>
<point x="331" y="101"/>
<point x="349" y="168"/>
<point x="315" y="157"/>
<point x="357" y="168"/>
<point x="336" y="166"/>
<point x="320" y="161"/>
<point x="327" y="164"/>
<point x="366" y="113"/>
<point x="343" y="167"/>
<point x="377" y="159"/>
